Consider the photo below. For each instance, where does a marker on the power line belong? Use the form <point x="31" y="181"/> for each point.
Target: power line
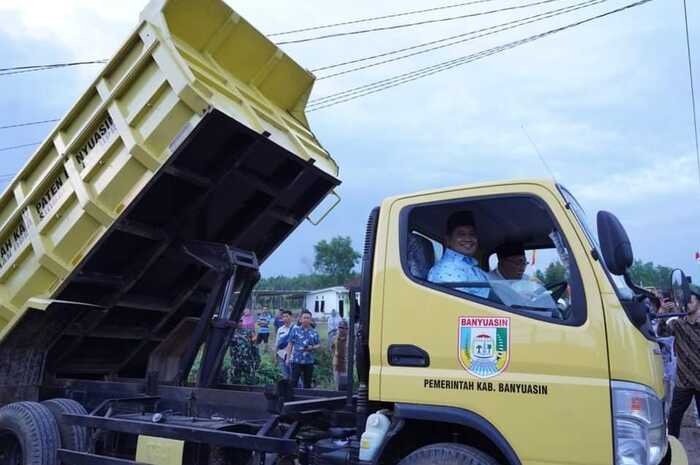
<point x="13" y="147"/>
<point x="492" y="30"/>
<point x="30" y="123"/>
<point x="378" y="18"/>
<point x="692" y="87"/>
<point x="418" y="23"/>
<point x="378" y="86"/>
<point x="33" y="68"/>
<point x="54" y="65"/>
<point x="461" y="60"/>
<point x="384" y="84"/>
<point x="426" y="44"/>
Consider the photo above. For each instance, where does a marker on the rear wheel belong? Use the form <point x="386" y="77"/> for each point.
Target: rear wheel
<point x="28" y="435"/>
<point x="448" y="453"/>
<point x="10" y="449"/>
<point x="73" y="437"/>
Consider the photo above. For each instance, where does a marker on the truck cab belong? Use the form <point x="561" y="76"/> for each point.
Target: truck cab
<point x="526" y="371"/>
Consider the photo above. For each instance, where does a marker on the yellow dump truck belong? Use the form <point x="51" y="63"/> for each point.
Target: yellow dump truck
<point x="130" y="243"/>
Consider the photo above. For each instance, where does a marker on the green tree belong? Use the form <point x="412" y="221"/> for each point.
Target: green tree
<point x="302" y="282"/>
<point x="336" y="258"/>
<point x="540" y="276"/>
<point x="554" y="273"/>
<point x="648" y="274"/>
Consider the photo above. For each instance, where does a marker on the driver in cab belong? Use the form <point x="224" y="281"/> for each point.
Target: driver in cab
<point x="511" y="269"/>
<point x="516" y="289"/>
<point x="458" y="264"/>
<point x="511" y="262"/>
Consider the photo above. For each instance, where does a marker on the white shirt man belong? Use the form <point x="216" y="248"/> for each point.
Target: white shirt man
<point x="282" y="334"/>
<point x="510" y="273"/>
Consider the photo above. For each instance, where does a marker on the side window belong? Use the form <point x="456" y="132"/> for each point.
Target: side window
<point x="505" y="251"/>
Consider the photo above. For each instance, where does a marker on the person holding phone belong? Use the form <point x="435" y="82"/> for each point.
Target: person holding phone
<point x="686" y="333"/>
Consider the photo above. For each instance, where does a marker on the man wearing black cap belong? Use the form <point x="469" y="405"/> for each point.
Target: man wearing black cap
<point x="511" y="262"/>
<point x="458" y="264"/>
<point x="510" y="276"/>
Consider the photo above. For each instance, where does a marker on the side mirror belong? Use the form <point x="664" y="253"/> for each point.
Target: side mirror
<point x="614" y="243"/>
<point x="680" y="289"/>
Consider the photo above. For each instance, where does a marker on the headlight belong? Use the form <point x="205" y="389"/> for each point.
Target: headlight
<point x="639" y="425"/>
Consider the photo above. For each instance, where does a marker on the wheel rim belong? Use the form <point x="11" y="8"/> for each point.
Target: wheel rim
<point x="10" y="449"/>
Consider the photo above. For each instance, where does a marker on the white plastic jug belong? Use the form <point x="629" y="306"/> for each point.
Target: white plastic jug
<point x="377" y="426"/>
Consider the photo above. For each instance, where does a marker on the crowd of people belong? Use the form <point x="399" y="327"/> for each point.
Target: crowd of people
<point x="292" y="340"/>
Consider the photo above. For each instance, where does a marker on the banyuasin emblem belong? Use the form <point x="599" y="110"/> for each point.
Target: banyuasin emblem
<point x="484" y="345"/>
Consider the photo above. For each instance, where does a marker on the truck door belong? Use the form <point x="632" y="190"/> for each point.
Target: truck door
<point x="526" y="352"/>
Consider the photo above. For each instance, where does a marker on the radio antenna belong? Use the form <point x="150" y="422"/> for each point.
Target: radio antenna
<point x="537" y="151"/>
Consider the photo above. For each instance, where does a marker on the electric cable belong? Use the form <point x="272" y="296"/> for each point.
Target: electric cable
<point x="378" y="18"/>
<point x="21" y="146"/>
<point x="692" y="87"/>
<point x="417" y="23"/>
<point x="29" y="123"/>
<point x="384" y="84"/>
<point x="438" y="41"/>
<point x="492" y="30"/>
<point x="33" y="68"/>
<point x="456" y="61"/>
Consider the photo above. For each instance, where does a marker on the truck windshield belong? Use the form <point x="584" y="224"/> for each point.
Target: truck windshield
<point x="592" y="234"/>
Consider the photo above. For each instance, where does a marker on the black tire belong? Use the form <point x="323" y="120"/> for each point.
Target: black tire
<point x="448" y="454"/>
<point x="72" y="437"/>
<point x="34" y="430"/>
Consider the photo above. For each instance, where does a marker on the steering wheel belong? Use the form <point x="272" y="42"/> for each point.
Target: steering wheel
<point x="557" y="290"/>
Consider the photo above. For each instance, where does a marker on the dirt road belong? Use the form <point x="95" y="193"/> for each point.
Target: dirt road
<point x="690" y="437"/>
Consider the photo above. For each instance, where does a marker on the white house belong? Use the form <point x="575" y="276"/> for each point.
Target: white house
<point x="322" y="301"/>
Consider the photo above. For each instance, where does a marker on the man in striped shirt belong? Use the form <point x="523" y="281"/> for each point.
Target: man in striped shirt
<point x="686" y="332"/>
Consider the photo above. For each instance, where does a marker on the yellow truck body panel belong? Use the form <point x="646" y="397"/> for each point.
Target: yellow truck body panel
<point x="185" y="59"/>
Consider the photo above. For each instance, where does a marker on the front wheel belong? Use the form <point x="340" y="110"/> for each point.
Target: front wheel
<point x="448" y="453"/>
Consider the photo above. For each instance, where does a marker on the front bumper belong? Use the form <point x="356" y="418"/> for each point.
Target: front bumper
<point x="677" y="451"/>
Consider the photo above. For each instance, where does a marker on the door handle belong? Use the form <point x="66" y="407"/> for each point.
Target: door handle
<point x="406" y="355"/>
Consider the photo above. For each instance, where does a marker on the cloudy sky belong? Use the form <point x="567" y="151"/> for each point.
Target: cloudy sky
<point x="607" y="104"/>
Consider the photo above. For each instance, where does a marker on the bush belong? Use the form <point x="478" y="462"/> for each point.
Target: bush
<point x="323" y="371"/>
<point x="269" y="373"/>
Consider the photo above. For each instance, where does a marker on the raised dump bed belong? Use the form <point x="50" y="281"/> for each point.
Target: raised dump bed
<point x="194" y="130"/>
